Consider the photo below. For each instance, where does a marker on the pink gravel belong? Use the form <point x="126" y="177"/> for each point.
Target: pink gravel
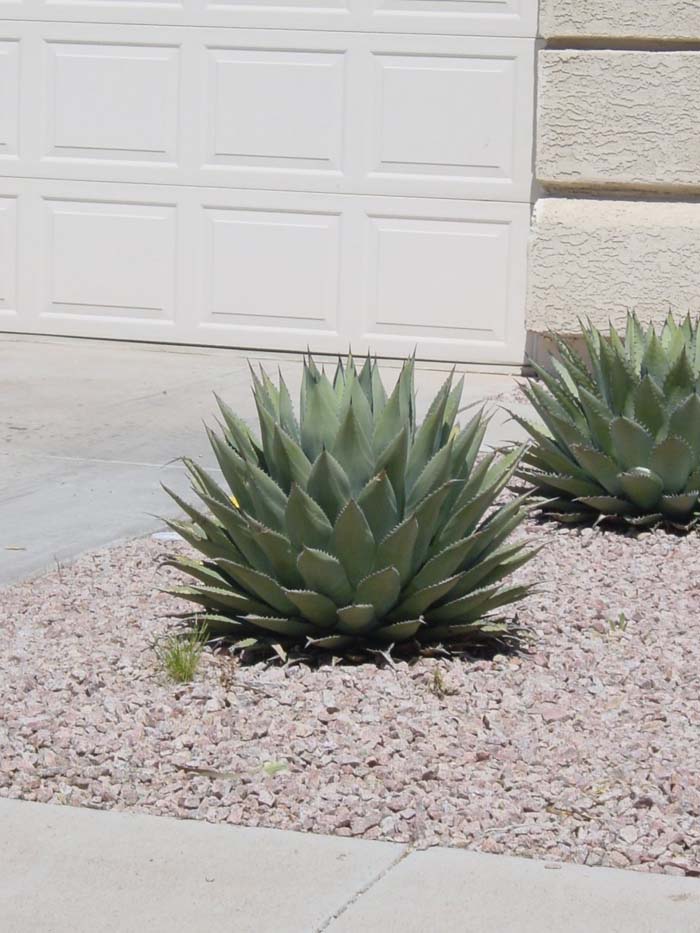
<point x="585" y="750"/>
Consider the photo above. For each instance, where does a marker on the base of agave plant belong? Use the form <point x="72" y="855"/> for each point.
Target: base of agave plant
<point x="489" y="635"/>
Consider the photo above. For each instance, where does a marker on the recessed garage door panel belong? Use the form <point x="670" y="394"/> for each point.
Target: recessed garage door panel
<point x="449" y="17"/>
<point x="265" y="269"/>
<point x="334" y="112"/>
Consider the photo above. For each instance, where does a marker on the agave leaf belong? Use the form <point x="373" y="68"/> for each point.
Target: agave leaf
<point x="672" y="459"/>
<point x="314" y="607"/>
<point x="392" y="460"/>
<point x="378" y="502"/>
<point x="442" y="565"/>
<point x="685" y="422"/>
<point x="680" y="379"/>
<point x="352" y="449"/>
<point x="328" y="485"/>
<point x="323" y="573"/>
<point x="234" y="469"/>
<point x="380" y="589"/>
<point x="679" y="506"/>
<point x="292" y="463"/>
<point x="467" y="445"/>
<point x="204" y="482"/>
<point x="352" y="542"/>
<point x="398" y="412"/>
<point x="306" y="522"/>
<point x="288" y="419"/>
<point x="607" y="505"/>
<point x="655" y="362"/>
<point x="556" y="459"/>
<point x="365" y="378"/>
<point x="319" y="418"/>
<point x="470" y="606"/>
<point x="559" y="388"/>
<point x="435" y="473"/>
<point x="396" y="550"/>
<point x="259" y="584"/>
<point x="220" y="625"/>
<point x="634" y="342"/>
<point x="642" y="486"/>
<point x="289" y="628"/>
<point x="502" y="563"/>
<point x="571" y="485"/>
<point x="204" y="571"/>
<point x="429" y="515"/>
<point x="451" y="410"/>
<point x="600" y="467"/>
<point x="425" y="443"/>
<point x="197" y="539"/>
<point x="243" y="441"/>
<point x="398" y="631"/>
<point x="269" y="501"/>
<point x="649" y="405"/>
<point x="599" y="419"/>
<point x="219" y="598"/>
<point x="330" y="642"/>
<point x="618" y="381"/>
<point x="632" y="444"/>
<point x="417" y="601"/>
<point x="378" y="393"/>
<point x="278" y="551"/>
<point x="356" y="620"/>
<point x="238" y="529"/>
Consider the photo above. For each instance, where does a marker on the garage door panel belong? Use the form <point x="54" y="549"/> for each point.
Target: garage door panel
<point x="8" y="259"/>
<point x="337" y="112"/>
<point x="111" y="101"/>
<point x="9" y="98"/>
<point x="291" y="116"/>
<point x="449" y="121"/>
<point x="447" y="17"/>
<point x="419" y="263"/>
<point x="270" y="270"/>
<point x="109" y="259"/>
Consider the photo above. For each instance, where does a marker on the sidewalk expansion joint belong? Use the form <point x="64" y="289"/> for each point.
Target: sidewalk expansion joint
<point x="326" y="925"/>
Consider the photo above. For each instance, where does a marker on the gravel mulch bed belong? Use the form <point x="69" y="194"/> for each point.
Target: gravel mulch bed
<point x="585" y="750"/>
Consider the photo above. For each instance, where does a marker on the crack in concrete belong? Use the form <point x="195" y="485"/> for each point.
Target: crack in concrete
<point x="373" y="882"/>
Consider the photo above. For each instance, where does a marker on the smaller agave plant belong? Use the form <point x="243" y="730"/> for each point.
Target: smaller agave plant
<point x="622" y="428"/>
<point x="353" y="525"/>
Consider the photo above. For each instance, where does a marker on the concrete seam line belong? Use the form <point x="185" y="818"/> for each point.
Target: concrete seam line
<point x="326" y="925"/>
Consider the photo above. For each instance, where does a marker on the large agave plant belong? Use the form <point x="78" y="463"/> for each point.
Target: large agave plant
<point x="352" y="525"/>
<point x="622" y="436"/>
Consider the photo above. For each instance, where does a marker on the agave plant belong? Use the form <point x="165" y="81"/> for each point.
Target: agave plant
<point x="352" y="525"/>
<point x="622" y="436"/>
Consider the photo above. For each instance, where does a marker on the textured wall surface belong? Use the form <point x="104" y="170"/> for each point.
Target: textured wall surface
<point x="599" y="258"/>
<point x="615" y="121"/>
<point x="662" y="19"/>
<point x="611" y="118"/>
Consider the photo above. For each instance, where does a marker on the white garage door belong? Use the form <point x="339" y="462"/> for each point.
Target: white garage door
<point x="268" y="174"/>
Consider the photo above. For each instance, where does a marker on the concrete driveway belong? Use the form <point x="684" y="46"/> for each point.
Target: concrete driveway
<point x="89" y="429"/>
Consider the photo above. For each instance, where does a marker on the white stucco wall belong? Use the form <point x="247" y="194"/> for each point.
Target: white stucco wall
<point x="655" y="19"/>
<point x="617" y="225"/>
<point x="618" y="118"/>
<point x="599" y="258"/>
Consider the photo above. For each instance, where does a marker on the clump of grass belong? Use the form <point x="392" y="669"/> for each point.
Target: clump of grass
<point x="179" y="655"/>
<point x="618" y="625"/>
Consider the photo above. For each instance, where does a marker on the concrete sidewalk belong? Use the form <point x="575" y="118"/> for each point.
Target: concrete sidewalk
<point x="66" y="870"/>
<point x="89" y="430"/>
